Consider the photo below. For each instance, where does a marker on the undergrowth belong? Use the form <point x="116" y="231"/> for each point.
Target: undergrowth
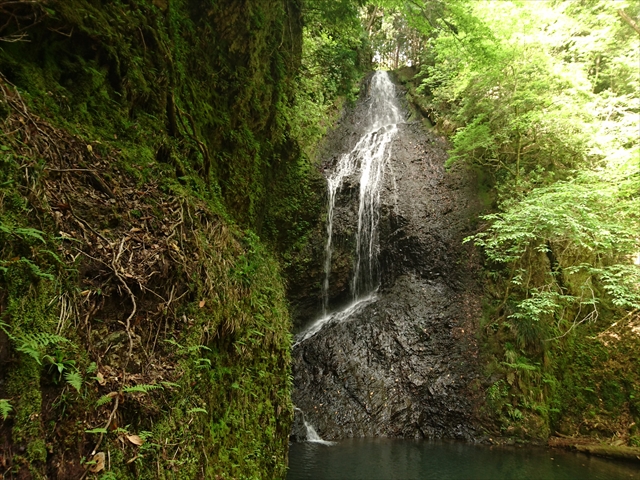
<point x="146" y="151"/>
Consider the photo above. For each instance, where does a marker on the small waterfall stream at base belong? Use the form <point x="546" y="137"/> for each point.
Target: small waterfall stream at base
<point x="312" y="435"/>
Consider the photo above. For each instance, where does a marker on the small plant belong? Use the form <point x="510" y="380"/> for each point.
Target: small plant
<point x="74" y="379"/>
<point x="104" y="399"/>
<point x="143" y="388"/>
<point x="497" y="391"/>
<point x="33" y="344"/>
<point x="5" y="408"/>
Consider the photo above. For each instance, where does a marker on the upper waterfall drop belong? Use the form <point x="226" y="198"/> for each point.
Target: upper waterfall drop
<point x="369" y="157"/>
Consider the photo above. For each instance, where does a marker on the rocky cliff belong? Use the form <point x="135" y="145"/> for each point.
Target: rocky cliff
<point x="404" y="364"/>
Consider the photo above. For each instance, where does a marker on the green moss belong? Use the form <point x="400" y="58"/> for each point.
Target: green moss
<point x="37" y="451"/>
<point x="179" y="111"/>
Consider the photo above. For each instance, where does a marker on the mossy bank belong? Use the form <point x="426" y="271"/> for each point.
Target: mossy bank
<point x="145" y="152"/>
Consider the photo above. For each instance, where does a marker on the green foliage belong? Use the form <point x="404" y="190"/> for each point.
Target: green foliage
<point x="100" y="430"/>
<point x="5" y="408"/>
<point x="334" y="59"/>
<point x="196" y="410"/>
<point x="541" y="98"/>
<point x="142" y="388"/>
<point x="74" y="379"/>
<point x="33" y="344"/>
<point x="104" y="399"/>
<point x="196" y="102"/>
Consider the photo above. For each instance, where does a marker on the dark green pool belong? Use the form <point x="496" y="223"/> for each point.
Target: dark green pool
<point x="386" y="459"/>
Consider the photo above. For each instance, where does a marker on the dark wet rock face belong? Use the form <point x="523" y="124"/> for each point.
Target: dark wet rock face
<point x="405" y="364"/>
<point x="398" y="368"/>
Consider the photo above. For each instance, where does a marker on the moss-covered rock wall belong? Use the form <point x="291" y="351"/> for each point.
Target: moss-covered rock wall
<point x="144" y="331"/>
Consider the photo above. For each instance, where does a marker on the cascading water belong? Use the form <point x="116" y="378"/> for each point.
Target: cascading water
<point x="367" y="161"/>
<point x="398" y="361"/>
<point x="311" y="434"/>
<point x="369" y="157"/>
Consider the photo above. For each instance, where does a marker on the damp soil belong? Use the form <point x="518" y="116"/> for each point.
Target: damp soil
<point x="405" y="365"/>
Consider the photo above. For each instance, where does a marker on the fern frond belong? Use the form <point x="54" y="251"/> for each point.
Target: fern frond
<point x="143" y="388"/>
<point x="5" y="408"/>
<point x="196" y="410"/>
<point x="35" y="269"/>
<point x="103" y="400"/>
<point x="170" y="384"/>
<point x="31" y="233"/>
<point x="54" y="255"/>
<point x="96" y="430"/>
<point x="34" y="343"/>
<point x="197" y="348"/>
<point x="74" y="379"/>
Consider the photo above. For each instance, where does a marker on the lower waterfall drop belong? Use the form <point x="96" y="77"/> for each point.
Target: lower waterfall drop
<point x="311" y="434"/>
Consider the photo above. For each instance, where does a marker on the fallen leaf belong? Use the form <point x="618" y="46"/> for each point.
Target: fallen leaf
<point x="100" y="378"/>
<point x="135" y="439"/>
<point x="84" y="293"/>
<point x="99" y="465"/>
<point x="201" y="304"/>
<point x="89" y="148"/>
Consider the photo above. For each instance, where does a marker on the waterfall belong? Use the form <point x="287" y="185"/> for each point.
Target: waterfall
<point x="368" y="158"/>
<point x="312" y="435"/>
<point x="368" y="161"/>
<point x="316" y="326"/>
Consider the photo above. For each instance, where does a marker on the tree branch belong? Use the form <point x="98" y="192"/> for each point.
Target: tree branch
<point x="629" y="21"/>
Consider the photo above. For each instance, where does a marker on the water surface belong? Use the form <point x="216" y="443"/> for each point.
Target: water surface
<point x="391" y="459"/>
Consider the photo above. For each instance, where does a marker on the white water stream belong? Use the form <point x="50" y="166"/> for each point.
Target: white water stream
<point x="312" y="435"/>
<point x="368" y="158"/>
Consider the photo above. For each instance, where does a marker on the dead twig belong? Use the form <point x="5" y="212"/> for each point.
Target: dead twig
<point x="114" y="266"/>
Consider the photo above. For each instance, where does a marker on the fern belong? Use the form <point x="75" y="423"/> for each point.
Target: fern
<point x="197" y="348"/>
<point x="33" y="343"/>
<point x="35" y="270"/>
<point x="170" y="384"/>
<point x="108" y="476"/>
<point x="74" y="379"/>
<point x="54" y="255"/>
<point x="143" y="388"/>
<point x="5" y="408"/>
<point x="30" y="233"/>
<point x="96" y="430"/>
<point x="92" y="367"/>
<point x="196" y="410"/>
<point x="103" y="400"/>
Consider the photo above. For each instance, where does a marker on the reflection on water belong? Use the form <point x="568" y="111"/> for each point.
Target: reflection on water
<point x="387" y="459"/>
